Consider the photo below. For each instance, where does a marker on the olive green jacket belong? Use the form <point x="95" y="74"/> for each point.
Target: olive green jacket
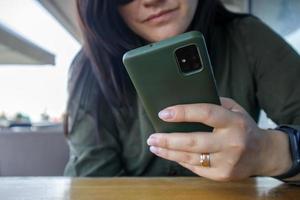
<point x="252" y="65"/>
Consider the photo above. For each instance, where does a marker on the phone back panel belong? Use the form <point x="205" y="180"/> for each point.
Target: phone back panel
<point x="160" y="83"/>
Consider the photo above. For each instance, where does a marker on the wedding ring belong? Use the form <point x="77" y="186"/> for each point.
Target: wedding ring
<point x="205" y="160"/>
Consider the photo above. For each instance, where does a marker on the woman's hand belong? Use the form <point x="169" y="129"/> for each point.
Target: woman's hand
<point x="237" y="147"/>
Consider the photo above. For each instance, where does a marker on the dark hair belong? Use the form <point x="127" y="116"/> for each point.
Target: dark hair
<point x="107" y="38"/>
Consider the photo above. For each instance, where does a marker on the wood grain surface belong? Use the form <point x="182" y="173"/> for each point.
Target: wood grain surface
<point x="143" y="188"/>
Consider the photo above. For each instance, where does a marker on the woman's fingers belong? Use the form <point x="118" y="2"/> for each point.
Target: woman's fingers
<point x="209" y="114"/>
<point x="231" y="146"/>
<point x="188" y="142"/>
<point x="219" y="167"/>
<point x="177" y="156"/>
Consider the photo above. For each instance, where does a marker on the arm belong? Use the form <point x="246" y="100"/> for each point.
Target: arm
<point x="92" y="136"/>
<point x="238" y="148"/>
<point x="276" y="67"/>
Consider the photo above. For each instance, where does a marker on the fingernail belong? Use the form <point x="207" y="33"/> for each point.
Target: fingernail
<point x="154" y="149"/>
<point x="152" y="141"/>
<point x="166" y="114"/>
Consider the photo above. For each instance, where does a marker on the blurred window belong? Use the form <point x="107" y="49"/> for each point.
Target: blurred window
<point x="283" y="17"/>
<point x="35" y="93"/>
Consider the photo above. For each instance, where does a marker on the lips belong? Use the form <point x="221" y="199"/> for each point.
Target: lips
<point x="159" y="15"/>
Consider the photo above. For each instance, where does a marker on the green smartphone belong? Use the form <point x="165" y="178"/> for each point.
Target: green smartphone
<point x="172" y="72"/>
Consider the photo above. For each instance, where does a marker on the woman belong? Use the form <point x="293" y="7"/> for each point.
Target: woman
<point x="110" y="134"/>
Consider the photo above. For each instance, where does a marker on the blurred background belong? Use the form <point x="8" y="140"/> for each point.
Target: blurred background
<point x="38" y="40"/>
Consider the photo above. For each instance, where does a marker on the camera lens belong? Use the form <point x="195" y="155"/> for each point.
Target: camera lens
<point x="188" y="59"/>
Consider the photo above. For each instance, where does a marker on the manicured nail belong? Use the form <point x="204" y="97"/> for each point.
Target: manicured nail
<point x="166" y="114"/>
<point x="152" y="140"/>
<point x="154" y="150"/>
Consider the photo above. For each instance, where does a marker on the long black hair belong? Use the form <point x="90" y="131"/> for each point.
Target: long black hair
<point x="107" y="38"/>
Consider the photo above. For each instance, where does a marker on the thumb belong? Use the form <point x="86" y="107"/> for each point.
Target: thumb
<point x="231" y="105"/>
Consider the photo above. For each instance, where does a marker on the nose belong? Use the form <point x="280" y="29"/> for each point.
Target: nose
<point x="153" y="3"/>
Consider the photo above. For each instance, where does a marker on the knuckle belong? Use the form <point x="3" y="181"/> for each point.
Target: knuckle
<point x="181" y="113"/>
<point x="231" y="162"/>
<point x="207" y="112"/>
<point x="242" y="122"/>
<point x="187" y="158"/>
<point x="164" y="153"/>
<point x="192" y="142"/>
<point x="184" y="113"/>
<point x="165" y="143"/>
<point x="238" y="146"/>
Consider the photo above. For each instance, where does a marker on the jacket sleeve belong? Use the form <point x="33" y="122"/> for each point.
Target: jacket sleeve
<point x="92" y="134"/>
<point x="276" y="70"/>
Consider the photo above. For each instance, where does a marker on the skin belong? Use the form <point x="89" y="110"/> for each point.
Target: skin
<point x="238" y="148"/>
<point x="175" y="22"/>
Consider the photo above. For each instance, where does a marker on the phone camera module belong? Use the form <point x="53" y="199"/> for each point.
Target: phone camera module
<point x="188" y="59"/>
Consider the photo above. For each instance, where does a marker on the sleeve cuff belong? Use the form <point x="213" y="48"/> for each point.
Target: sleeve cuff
<point x="293" y="174"/>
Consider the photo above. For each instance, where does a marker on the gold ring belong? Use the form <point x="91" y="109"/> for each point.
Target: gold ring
<point x="205" y="160"/>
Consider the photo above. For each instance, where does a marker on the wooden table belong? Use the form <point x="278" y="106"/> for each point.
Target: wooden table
<point x="143" y="189"/>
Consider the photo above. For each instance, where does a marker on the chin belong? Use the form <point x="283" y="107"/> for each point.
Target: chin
<point x="164" y="34"/>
